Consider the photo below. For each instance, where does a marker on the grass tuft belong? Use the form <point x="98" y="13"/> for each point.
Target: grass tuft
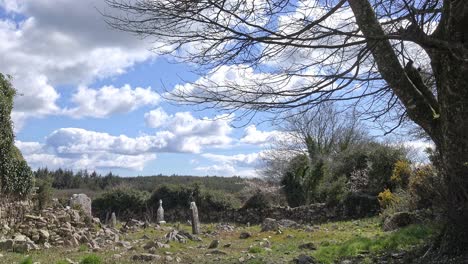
<point x="91" y="259"/>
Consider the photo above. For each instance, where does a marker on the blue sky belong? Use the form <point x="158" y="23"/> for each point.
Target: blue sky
<point x="90" y="99"/>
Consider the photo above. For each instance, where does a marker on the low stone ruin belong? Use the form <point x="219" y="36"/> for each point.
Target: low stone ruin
<point x="55" y="227"/>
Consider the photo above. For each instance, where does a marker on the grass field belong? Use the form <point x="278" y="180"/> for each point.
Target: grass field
<point x="333" y="241"/>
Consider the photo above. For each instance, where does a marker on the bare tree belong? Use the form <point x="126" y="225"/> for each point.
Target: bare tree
<point x="304" y="53"/>
<point x="319" y="134"/>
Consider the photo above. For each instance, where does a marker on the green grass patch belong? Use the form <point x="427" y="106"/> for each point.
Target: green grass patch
<point x="398" y="240"/>
<point x="27" y="260"/>
<point x="91" y="259"/>
<point x="255" y="250"/>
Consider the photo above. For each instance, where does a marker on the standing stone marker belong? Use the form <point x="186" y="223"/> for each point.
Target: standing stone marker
<point x="113" y="220"/>
<point x="83" y="201"/>
<point x="195" y="221"/>
<point x="160" y="214"/>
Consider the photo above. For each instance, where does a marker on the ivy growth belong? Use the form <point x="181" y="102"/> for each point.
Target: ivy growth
<point x="16" y="178"/>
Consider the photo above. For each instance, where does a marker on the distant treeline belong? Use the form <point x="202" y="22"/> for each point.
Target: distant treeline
<point x="63" y="179"/>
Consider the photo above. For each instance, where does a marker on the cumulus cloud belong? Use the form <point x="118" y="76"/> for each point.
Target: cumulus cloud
<point x="78" y="148"/>
<point x="43" y="155"/>
<point x="190" y="133"/>
<point x="257" y="137"/>
<point x="48" y="47"/>
<point x="109" y="100"/>
<point x="156" y="118"/>
<point x="229" y="165"/>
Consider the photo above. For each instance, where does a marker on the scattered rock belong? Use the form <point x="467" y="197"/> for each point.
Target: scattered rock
<point x="214" y="244"/>
<point x="304" y="259"/>
<point x="217" y="252"/>
<point x="146" y="257"/>
<point x="398" y="220"/>
<point x="269" y="224"/>
<point x="286" y="223"/>
<point x="245" y="235"/>
<point x="309" y="246"/>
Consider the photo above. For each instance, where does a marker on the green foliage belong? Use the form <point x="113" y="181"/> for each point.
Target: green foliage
<point x="258" y="200"/>
<point x="401" y="173"/>
<point x="180" y="197"/>
<point x="387" y="198"/>
<point x="401" y="202"/>
<point x="302" y="179"/>
<point x="62" y="262"/>
<point x="125" y="202"/>
<point x="401" y="239"/>
<point x="27" y="260"/>
<point x="333" y="191"/>
<point x="67" y="179"/>
<point x="16" y="178"/>
<point x="425" y="187"/>
<point x="378" y="160"/>
<point x="44" y="191"/>
<point x="255" y="250"/>
<point x="91" y="259"/>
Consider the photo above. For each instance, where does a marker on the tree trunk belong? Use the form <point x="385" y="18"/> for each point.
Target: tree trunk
<point x="448" y="127"/>
<point x="452" y="76"/>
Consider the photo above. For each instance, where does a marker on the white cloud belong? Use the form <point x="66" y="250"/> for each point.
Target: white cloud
<point x="225" y="170"/>
<point x="78" y="148"/>
<point x="43" y="155"/>
<point x="156" y="118"/>
<point x="229" y="165"/>
<point x="238" y="160"/>
<point x="257" y="137"/>
<point x="109" y="100"/>
<point x="190" y="134"/>
<point x="60" y="43"/>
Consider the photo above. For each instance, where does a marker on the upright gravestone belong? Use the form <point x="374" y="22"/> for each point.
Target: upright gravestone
<point x="82" y="201"/>
<point x="160" y="214"/>
<point x="195" y="221"/>
<point x="113" y="220"/>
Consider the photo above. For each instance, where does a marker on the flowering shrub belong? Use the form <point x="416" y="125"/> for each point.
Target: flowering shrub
<point x="401" y="173"/>
<point x="386" y="198"/>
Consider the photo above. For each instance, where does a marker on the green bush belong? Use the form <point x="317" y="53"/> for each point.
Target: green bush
<point x="401" y="201"/>
<point x="91" y="259"/>
<point x="387" y="198"/>
<point x="425" y="187"/>
<point x="125" y="202"/>
<point x="258" y="200"/>
<point x="44" y="192"/>
<point x="401" y="173"/>
<point x="176" y="196"/>
<point x="378" y="160"/>
<point x="332" y="190"/>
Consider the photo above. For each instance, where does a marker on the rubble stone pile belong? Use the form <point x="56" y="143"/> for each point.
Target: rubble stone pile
<point x="56" y="226"/>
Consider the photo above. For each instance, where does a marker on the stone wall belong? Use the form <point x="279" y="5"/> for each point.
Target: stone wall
<point x="12" y="212"/>
<point x="311" y="214"/>
<point x="357" y="206"/>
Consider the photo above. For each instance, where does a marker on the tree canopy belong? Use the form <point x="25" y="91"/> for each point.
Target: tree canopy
<point x="392" y="58"/>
